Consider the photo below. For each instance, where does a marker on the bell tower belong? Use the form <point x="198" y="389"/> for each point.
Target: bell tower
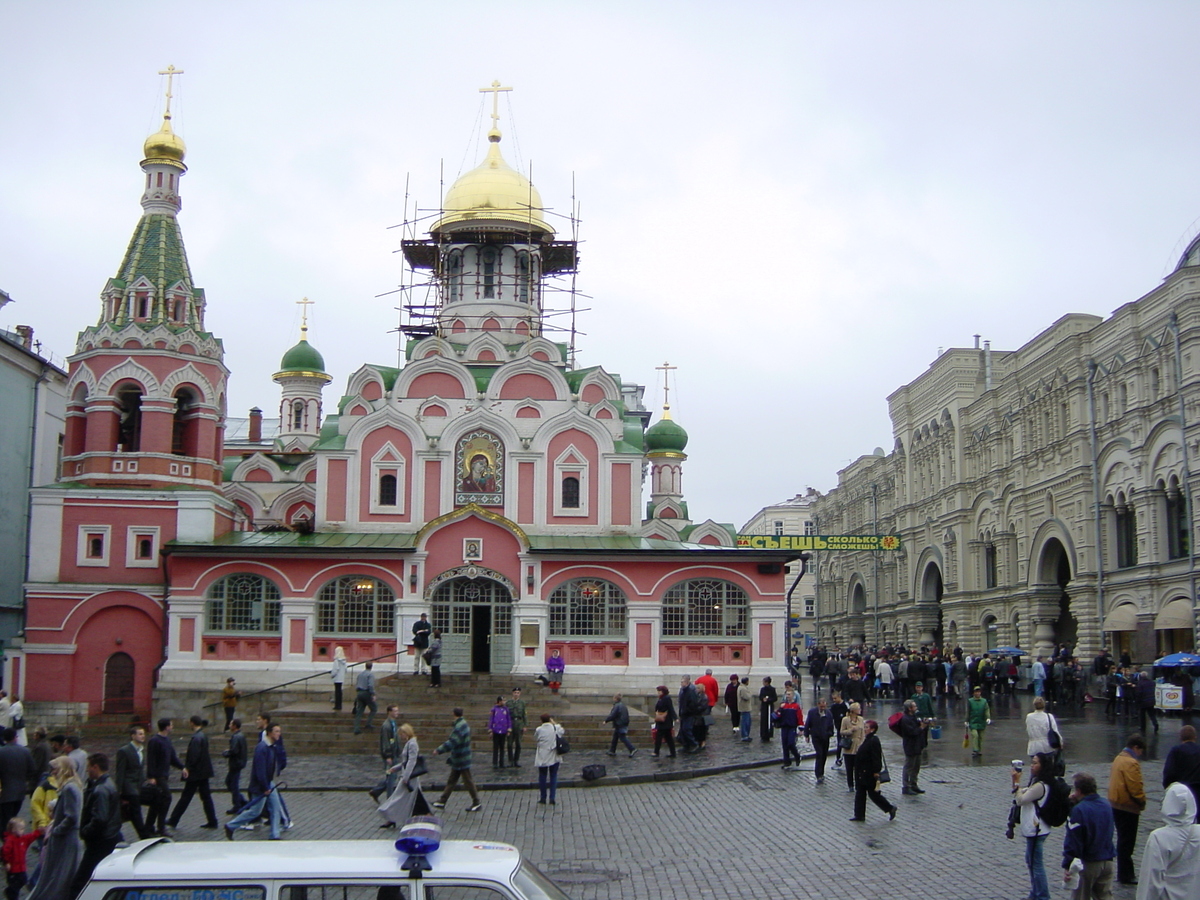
<point x="147" y="381"/>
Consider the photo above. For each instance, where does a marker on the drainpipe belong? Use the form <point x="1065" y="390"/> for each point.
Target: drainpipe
<point x="1091" y="393"/>
<point x="1173" y="324"/>
<point x="165" y="555"/>
<point x="787" y="628"/>
<point x="875" y="556"/>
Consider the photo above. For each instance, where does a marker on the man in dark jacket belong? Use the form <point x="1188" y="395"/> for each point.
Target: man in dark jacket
<point x="262" y="787"/>
<point x="1089" y="838"/>
<point x="160" y="758"/>
<point x="100" y="823"/>
<point x="198" y="769"/>
<point x="16" y="769"/>
<point x="819" y="728"/>
<point x="689" y="708"/>
<point x="853" y="690"/>
<point x="619" y="716"/>
<point x="913" y="732"/>
<point x="1183" y="763"/>
<point x="131" y="773"/>
<point x="767" y="698"/>
<point x="237" y="754"/>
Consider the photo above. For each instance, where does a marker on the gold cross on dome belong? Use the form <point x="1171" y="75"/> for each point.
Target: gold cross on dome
<point x="304" y="305"/>
<point x="170" y="72"/>
<point x="495" y="90"/>
<point x="666" y="368"/>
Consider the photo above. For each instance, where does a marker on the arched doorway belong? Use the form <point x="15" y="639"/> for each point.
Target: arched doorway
<point x="118" y="684"/>
<point x="931" y="593"/>
<point x="474" y="613"/>
<point x="1056" y="569"/>
<point x="991" y="637"/>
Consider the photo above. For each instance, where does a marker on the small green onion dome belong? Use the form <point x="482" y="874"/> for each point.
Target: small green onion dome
<point x="666" y="434"/>
<point x="302" y="358"/>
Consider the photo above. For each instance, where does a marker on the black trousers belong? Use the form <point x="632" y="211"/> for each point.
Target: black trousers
<point x="337" y="695"/>
<point x="866" y="788"/>
<point x="131" y="812"/>
<point x="1152" y="713"/>
<point x="93" y="852"/>
<point x="156" y="818"/>
<point x="821" y="745"/>
<point x="189" y="791"/>
<point x="498" y="749"/>
<point x="233" y="784"/>
<point x="1127" y="828"/>
<point x="662" y="732"/>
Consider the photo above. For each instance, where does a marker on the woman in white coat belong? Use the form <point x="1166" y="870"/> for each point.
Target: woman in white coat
<point x="1171" y="862"/>
<point x="338" y="673"/>
<point x="406" y="799"/>
<point x="1037" y="728"/>
<point x="18" y="721"/>
<point x="546" y="756"/>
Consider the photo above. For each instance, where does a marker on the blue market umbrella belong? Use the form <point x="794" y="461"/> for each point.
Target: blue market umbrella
<point x="1008" y="651"/>
<point x="1179" y="659"/>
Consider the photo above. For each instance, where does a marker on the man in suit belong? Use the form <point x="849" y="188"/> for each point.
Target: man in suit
<point x="131" y="773"/>
<point x="160" y="758"/>
<point x="237" y="754"/>
<point x="198" y="769"/>
<point x="16" y="769"/>
<point x="389" y="752"/>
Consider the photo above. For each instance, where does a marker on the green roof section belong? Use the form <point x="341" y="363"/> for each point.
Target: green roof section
<point x="156" y="252"/>
<point x="302" y="358"/>
<point x="330" y="438"/>
<point x="291" y="541"/>
<point x="666" y="434"/>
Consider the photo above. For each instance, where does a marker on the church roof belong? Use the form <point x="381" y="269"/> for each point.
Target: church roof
<point x="304" y="357"/>
<point x="156" y="252"/>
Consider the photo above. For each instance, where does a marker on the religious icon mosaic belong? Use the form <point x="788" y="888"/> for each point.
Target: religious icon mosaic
<point x="479" y="470"/>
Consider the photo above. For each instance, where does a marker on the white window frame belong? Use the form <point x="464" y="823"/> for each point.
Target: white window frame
<point x="86" y="532"/>
<point x="387" y="461"/>
<point x="133" y="534"/>
<point x="571" y="463"/>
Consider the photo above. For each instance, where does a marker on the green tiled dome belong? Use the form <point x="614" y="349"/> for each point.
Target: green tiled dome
<point x="666" y="434"/>
<point x="302" y="358"/>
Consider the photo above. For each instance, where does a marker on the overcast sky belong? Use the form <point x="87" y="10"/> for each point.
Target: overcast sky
<point x="797" y="203"/>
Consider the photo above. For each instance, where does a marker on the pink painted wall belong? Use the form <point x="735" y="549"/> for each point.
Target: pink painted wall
<point x="130" y="512"/>
<point x="433" y="489"/>
<point x="436" y="384"/>
<point x="591" y="653"/>
<point x="335" y="492"/>
<point x="371" y="445"/>
<point x="500" y="547"/>
<point x="622" y="503"/>
<point x="525" y="488"/>
<point x="586" y="447"/>
<point x="527" y="385"/>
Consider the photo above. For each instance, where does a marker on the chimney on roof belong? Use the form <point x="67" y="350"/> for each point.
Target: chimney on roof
<point x="255" y="425"/>
<point x="26" y="333"/>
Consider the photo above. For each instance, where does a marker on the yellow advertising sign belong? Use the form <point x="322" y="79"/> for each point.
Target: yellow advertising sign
<point x="885" y="542"/>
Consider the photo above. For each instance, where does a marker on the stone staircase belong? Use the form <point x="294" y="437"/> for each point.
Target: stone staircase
<point x="312" y="727"/>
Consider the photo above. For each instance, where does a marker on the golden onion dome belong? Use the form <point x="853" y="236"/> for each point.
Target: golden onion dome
<point x="165" y="145"/>
<point x="491" y="192"/>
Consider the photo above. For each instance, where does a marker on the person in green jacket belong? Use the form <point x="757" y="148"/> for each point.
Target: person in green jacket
<point x="979" y="717"/>
<point x="924" y="702"/>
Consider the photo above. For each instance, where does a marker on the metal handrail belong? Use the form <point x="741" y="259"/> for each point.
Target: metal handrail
<point x="284" y="684"/>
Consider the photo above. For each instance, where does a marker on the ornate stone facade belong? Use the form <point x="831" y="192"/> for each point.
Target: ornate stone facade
<point x="1042" y="493"/>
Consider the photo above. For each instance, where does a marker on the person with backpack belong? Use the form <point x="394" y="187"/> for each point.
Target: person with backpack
<point x="1028" y="801"/>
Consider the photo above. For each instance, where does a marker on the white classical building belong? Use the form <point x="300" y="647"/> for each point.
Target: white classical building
<point x="1043" y="494"/>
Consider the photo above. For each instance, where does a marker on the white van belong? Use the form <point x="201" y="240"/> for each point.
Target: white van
<point x="161" y="869"/>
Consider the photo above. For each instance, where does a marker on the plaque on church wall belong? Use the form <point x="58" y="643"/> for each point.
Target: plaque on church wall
<point x="479" y="470"/>
<point x="530" y="636"/>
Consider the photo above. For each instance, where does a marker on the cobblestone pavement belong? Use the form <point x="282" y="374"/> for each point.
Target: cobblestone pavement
<point x="726" y="822"/>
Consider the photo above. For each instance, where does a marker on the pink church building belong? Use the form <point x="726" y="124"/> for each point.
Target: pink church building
<point x="490" y="482"/>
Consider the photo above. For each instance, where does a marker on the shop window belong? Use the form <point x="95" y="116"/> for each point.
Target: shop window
<point x="705" y="609"/>
<point x="243" y="603"/>
<point x="356" y="604"/>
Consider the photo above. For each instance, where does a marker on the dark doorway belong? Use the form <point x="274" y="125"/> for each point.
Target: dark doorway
<point x="1057" y="566"/>
<point x="118" y="684"/>
<point x="481" y="638"/>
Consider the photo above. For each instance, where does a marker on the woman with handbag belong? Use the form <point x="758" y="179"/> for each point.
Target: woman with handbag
<point x="406" y="799"/>
<point x="850" y="737"/>
<point x="1038" y="725"/>
<point x="664" y="721"/>
<point x="545" y="756"/>
<point x="1028" y="801"/>
<point x="872" y="773"/>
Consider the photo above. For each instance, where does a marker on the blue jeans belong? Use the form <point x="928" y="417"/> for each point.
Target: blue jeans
<point x="551" y="773"/>
<point x="1037" y="687"/>
<point x="252" y="810"/>
<point x="745" y="725"/>
<point x="1039" y="887"/>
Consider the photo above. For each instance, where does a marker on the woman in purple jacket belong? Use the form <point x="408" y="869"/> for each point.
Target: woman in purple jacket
<point x="500" y="724"/>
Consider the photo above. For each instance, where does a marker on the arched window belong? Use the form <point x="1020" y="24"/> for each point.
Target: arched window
<point x="587" y="607"/>
<point x="356" y="604"/>
<point x="705" y="608"/>
<point x="129" y="409"/>
<point x="183" y="425"/>
<point x="454" y="275"/>
<point x="297" y="415"/>
<point x="387" y="490"/>
<point x="570" y="492"/>
<point x="488" y="269"/>
<point x="523" y="278"/>
<point x="1178" y="537"/>
<point x="243" y="602"/>
<point x="989" y="565"/>
<point x="1126" y="522"/>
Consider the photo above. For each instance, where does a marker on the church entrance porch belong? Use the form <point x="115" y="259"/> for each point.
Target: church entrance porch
<point x="474" y="614"/>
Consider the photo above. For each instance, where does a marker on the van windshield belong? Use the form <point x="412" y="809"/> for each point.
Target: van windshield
<point x="533" y="885"/>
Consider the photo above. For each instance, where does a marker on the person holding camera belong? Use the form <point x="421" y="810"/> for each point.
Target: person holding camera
<point x="1027" y="804"/>
<point x="197" y="770"/>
